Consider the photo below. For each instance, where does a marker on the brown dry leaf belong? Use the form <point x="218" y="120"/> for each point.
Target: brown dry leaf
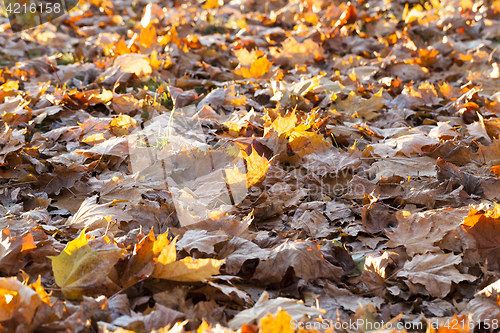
<point x="450" y="172"/>
<point x="238" y="251"/>
<point x="435" y="272"/>
<point x="295" y="309"/>
<point x="443" y="131"/>
<point x="314" y="223"/>
<point x="482" y="242"/>
<point x="81" y="270"/>
<point x="477" y="130"/>
<point x="201" y="240"/>
<point x="92" y="216"/>
<point x="485" y="306"/>
<point x="374" y="274"/>
<point x="405" y="167"/>
<point x="376" y="218"/>
<point x="141" y="262"/>
<point x="19" y="303"/>
<point x="347" y="300"/>
<point x="412" y="143"/>
<point x="305" y="258"/>
<point x="62" y="177"/>
<point x="420" y="232"/>
<point x="125" y="103"/>
<point x="332" y="161"/>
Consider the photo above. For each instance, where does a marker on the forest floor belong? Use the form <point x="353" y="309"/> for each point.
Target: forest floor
<point x="252" y="165"/>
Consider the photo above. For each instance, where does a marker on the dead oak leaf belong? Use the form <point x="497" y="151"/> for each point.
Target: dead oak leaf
<point x="434" y="271"/>
<point x="305" y="258"/>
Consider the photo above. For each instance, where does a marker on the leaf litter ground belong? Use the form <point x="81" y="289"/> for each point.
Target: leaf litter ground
<point x="368" y="140"/>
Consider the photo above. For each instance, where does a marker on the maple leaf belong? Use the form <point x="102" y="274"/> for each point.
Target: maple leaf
<point x="482" y="241"/>
<point x="141" y="262"/>
<point x="374" y="274"/>
<point x="435" y="272"/>
<point x="485" y="306"/>
<point x="91" y="215"/>
<point x="420" y="232"/>
<point x="186" y="269"/>
<point x="259" y="68"/>
<point x="294" y="309"/>
<point x="361" y="108"/>
<point x="256" y="167"/>
<point x="81" y="269"/>
<point x="62" y="177"/>
<point x="283" y="125"/>
<point x="306" y="260"/>
<point x="19" y="303"/>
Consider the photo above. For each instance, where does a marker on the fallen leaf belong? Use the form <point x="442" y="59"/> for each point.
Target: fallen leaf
<point x="81" y="270"/>
<point x="256" y="167"/>
<point x="295" y="309"/>
<point x="186" y="269"/>
<point x="306" y="260"/>
<point x="435" y="272"/>
<point x="92" y="216"/>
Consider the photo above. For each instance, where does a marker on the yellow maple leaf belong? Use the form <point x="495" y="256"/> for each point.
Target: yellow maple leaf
<point x="186" y="269"/>
<point x="304" y="142"/>
<point x="80" y="270"/>
<point x="141" y="263"/>
<point x="361" y="108"/>
<point x="148" y="36"/>
<point x="122" y="124"/>
<point x="259" y="68"/>
<point x="210" y="4"/>
<point x="283" y="125"/>
<point x="256" y="167"/>
<point x="280" y="324"/>
<point x="155" y="63"/>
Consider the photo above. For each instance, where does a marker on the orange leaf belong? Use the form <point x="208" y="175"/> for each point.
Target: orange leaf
<point x="257" y="167"/>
